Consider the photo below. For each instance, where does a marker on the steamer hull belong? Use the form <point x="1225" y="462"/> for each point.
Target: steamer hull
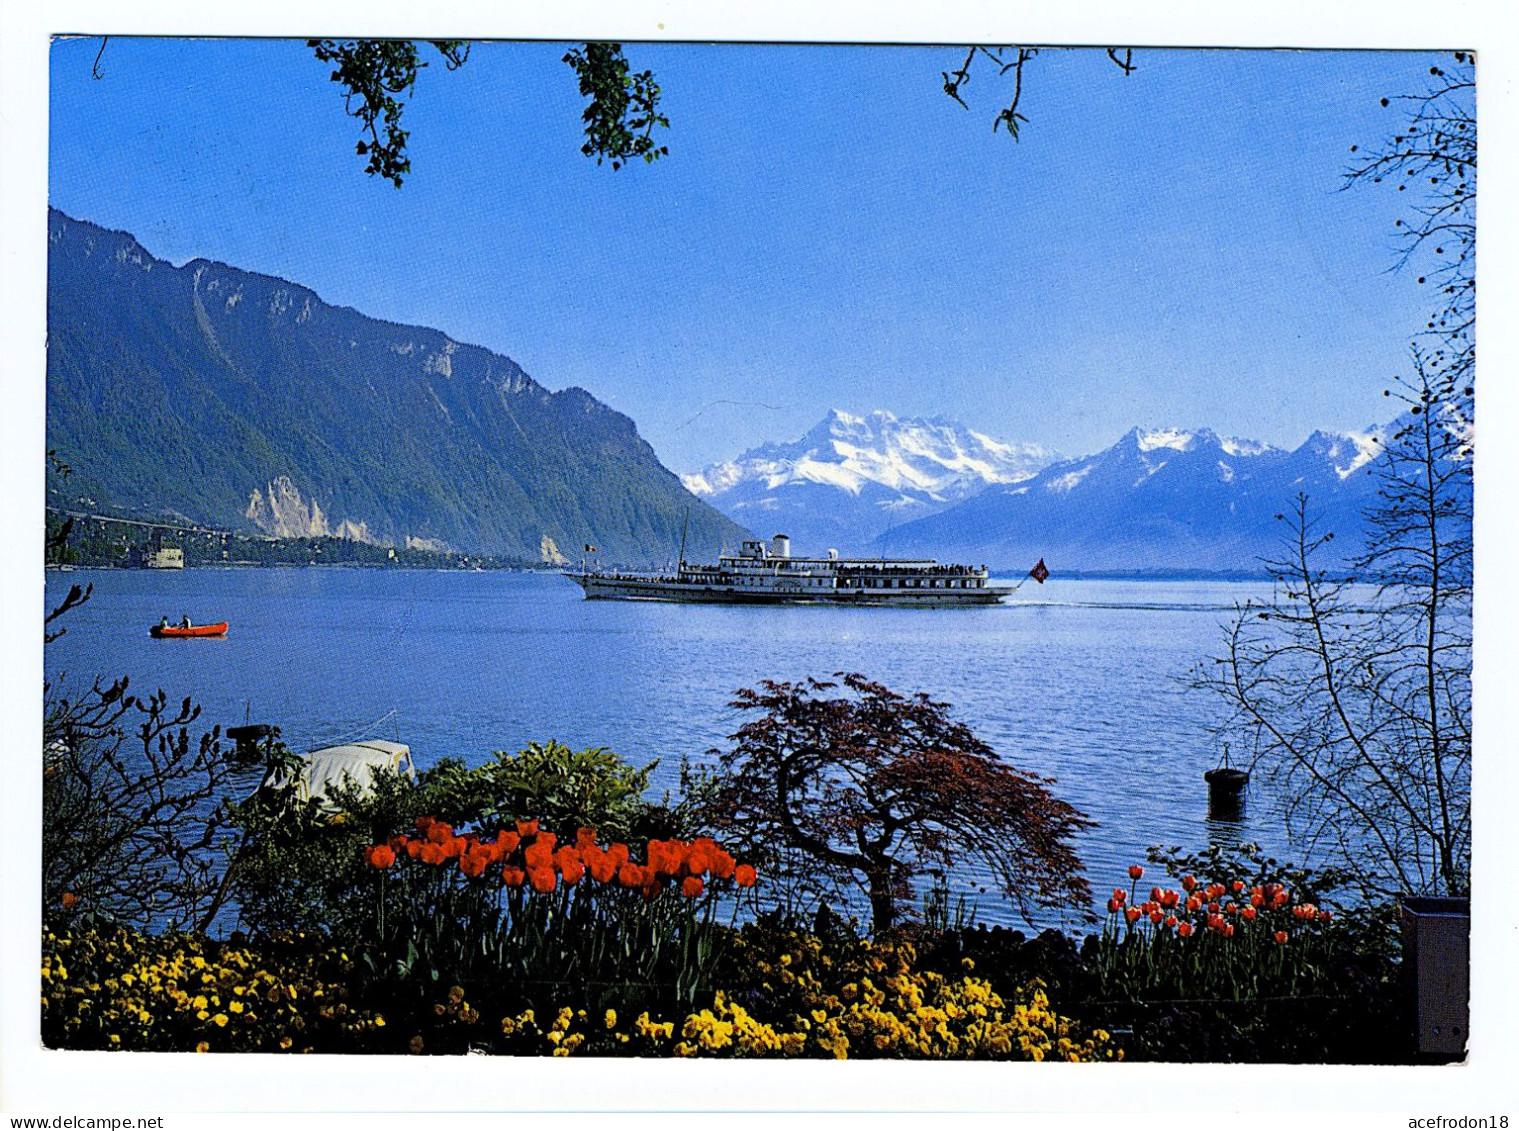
<point x="608" y="588"/>
<point x="762" y="574"/>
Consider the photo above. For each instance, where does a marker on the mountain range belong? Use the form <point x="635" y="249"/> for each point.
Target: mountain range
<point x="851" y="477"/>
<point x="212" y="395"/>
<point x="1157" y="500"/>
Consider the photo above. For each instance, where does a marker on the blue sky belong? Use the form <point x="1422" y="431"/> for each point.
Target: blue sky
<point x="1167" y="248"/>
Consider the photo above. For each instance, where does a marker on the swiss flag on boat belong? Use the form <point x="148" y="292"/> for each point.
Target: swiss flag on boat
<point x="1039" y="572"/>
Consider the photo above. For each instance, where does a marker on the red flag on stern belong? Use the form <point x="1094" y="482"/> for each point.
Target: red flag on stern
<point x="1039" y="572"/>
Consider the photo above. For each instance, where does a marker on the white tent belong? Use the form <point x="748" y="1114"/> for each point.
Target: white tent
<point x="326" y="768"/>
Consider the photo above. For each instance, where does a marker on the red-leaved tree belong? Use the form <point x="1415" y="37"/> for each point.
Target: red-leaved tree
<point x="877" y="788"/>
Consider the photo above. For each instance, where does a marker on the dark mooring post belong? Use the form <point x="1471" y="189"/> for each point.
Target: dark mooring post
<point x="1226" y="791"/>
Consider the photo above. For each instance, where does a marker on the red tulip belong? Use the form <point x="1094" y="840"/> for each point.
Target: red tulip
<point x="1132" y="914"/>
<point x="1184" y="929"/>
<point x="1135" y="871"/>
<point x="1281" y="938"/>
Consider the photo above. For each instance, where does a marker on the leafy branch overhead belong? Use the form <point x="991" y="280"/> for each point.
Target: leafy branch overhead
<point x="1013" y="59"/>
<point x="623" y="109"/>
<point x="378" y="75"/>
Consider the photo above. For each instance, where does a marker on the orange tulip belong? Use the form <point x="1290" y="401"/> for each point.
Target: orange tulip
<point x="473" y="864"/>
<point x="572" y="870"/>
<point x="1170" y="921"/>
<point x="1237" y="886"/>
<point x="744" y="875"/>
<point x="1184" y="929"/>
<point x="1281" y="938"/>
<point x="1132" y="914"/>
<point x="526" y="829"/>
<point x="1136" y="871"/>
<point x="1156" y="917"/>
<point x="68" y="899"/>
<point x="542" y="879"/>
<point x="380" y="856"/>
<point x="538" y="854"/>
<point x="631" y="876"/>
<point x="691" y="887"/>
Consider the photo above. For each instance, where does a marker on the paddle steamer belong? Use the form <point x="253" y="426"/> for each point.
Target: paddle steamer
<point x="767" y="574"/>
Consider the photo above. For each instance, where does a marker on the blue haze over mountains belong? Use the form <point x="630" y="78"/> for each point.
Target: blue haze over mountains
<point x="241" y="401"/>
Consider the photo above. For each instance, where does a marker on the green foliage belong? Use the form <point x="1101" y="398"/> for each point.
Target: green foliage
<point x="376" y="76"/>
<point x="566" y="789"/>
<point x="300" y="866"/>
<point x="624" y="107"/>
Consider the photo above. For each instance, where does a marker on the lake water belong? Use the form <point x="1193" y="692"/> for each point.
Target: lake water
<point x="1082" y="681"/>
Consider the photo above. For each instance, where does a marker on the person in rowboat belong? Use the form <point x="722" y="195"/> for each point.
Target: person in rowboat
<point x="184" y="622"/>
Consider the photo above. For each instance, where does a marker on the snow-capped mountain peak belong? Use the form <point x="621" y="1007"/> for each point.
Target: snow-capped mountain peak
<point x="851" y="476"/>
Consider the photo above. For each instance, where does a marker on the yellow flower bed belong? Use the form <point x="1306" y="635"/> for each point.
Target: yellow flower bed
<point x="884" y="1009"/>
<point x="122" y="989"/>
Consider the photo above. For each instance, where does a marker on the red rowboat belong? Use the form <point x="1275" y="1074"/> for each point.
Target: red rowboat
<point x="158" y="631"/>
